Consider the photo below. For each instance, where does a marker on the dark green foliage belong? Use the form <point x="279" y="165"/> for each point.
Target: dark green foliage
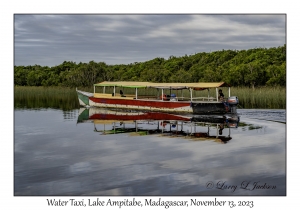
<point x="253" y="68"/>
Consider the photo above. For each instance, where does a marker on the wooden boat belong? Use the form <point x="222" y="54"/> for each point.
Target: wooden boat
<point x="159" y="100"/>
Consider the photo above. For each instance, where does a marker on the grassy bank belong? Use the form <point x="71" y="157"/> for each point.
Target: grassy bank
<point x="45" y="97"/>
<point x="261" y="98"/>
<point x="66" y="98"/>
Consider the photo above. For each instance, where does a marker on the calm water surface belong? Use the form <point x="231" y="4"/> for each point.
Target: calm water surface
<point x="55" y="155"/>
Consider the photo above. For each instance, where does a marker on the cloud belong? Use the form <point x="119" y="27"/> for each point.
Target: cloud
<point x="116" y="39"/>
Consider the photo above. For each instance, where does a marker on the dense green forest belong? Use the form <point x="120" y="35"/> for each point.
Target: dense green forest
<point x="253" y="68"/>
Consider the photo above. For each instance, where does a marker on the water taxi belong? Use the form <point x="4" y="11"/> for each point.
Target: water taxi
<point x="162" y="97"/>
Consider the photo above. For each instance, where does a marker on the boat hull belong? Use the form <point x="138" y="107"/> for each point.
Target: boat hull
<point x="87" y="99"/>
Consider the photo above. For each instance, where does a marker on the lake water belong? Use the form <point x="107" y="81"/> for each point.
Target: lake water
<point x="58" y="153"/>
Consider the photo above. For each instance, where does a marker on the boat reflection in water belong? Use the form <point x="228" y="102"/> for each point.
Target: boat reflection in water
<point x="194" y="127"/>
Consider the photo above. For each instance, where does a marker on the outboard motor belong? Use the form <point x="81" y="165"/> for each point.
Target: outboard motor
<point x="233" y="101"/>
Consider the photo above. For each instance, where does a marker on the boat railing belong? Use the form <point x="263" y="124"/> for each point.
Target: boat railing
<point x="204" y="99"/>
<point x="183" y="98"/>
<point x="152" y="97"/>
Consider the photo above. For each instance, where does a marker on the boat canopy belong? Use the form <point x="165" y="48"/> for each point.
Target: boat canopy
<point x="176" y="86"/>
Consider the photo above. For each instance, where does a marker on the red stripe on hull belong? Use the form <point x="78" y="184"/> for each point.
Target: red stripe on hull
<point x="129" y="102"/>
<point x="145" y="116"/>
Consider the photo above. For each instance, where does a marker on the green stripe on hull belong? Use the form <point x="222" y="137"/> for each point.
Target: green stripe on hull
<point x="83" y="98"/>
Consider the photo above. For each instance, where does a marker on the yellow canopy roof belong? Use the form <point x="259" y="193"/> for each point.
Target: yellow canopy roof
<point x="198" y="85"/>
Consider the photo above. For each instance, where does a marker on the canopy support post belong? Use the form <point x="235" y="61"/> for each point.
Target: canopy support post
<point x="229" y="92"/>
<point x="114" y="91"/>
<point x="208" y="94"/>
<point x="162" y="94"/>
<point x="135" y="93"/>
<point x="217" y="96"/>
<point x="181" y="94"/>
<point x="103" y="89"/>
<point x="191" y="91"/>
<point x="94" y="89"/>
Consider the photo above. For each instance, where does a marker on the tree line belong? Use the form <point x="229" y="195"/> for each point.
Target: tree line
<point x="253" y="68"/>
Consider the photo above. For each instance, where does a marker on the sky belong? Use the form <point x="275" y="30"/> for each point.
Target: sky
<point x="51" y="39"/>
